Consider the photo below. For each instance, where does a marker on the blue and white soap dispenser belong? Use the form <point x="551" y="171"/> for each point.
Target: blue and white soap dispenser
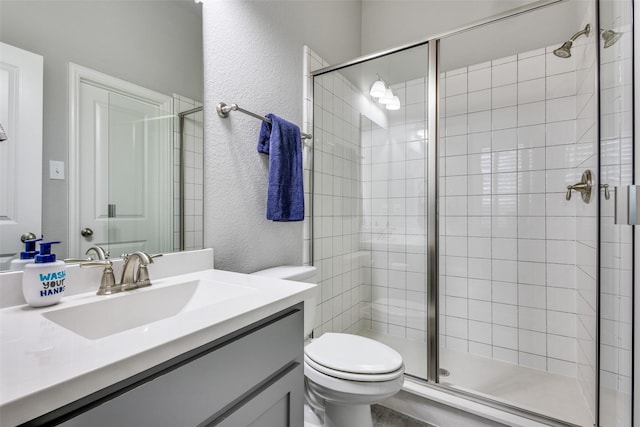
<point x="43" y="280"/>
<point x="27" y="256"/>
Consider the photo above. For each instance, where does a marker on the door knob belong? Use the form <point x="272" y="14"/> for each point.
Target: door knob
<point x="28" y="236"/>
<point x="86" y="232"/>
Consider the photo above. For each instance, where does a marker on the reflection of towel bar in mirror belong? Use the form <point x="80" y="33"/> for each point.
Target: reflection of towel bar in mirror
<point x="224" y="110"/>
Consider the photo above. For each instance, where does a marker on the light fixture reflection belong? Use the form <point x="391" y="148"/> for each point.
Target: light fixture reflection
<point x="387" y="98"/>
<point x="394" y="104"/>
<point x="378" y="88"/>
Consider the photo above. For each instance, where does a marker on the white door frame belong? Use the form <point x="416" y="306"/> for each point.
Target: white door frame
<point x="77" y="75"/>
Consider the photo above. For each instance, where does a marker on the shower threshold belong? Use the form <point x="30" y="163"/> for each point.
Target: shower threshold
<point x="549" y="394"/>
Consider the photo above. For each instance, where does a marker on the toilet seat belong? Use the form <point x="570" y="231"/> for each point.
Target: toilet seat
<point x="354" y="358"/>
<point x="350" y="376"/>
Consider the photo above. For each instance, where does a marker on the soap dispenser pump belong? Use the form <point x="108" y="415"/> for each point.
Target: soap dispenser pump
<point x="43" y="280"/>
<point x="27" y="256"/>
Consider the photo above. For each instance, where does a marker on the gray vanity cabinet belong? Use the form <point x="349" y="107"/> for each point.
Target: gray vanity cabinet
<point x="253" y="377"/>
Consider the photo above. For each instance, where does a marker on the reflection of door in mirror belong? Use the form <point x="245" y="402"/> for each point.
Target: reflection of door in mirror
<point x="21" y="152"/>
<point x="125" y="174"/>
<point x="139" y="176"/>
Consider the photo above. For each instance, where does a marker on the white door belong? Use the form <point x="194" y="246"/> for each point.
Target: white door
<point x="125" y="175"/>
<point x="21" y="153"/>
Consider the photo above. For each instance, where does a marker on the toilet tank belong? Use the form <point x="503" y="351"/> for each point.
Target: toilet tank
<point x="298" y="273"/>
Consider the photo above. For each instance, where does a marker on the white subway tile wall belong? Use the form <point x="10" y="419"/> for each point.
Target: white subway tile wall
<point x="584" y="252"/>
<point x="334" y="159"/>
<point x="517" y="260"/>
<point x="193" y="174"/>
<point x="393" y="221"/>
<point x="516" y="277"/>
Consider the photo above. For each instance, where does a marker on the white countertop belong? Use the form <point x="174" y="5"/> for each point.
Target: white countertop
<point x="44" y="366"/>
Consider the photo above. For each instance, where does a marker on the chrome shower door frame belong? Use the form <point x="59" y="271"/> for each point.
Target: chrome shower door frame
<point x="432" y="204"/>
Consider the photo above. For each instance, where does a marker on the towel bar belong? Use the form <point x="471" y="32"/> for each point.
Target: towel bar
<point x="224" y="110"/>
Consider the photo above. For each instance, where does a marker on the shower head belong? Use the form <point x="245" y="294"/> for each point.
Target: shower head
<point x="610" y="37"/>
<point x="564" y="51"/>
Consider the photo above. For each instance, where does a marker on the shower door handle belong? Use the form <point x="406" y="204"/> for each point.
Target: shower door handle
<point x="626" y="209"/>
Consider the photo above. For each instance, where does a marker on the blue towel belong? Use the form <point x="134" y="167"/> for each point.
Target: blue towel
<point x="281" y="141"/>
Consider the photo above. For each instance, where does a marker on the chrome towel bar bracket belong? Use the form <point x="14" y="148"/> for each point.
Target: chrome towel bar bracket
<point x="223" y="111"/>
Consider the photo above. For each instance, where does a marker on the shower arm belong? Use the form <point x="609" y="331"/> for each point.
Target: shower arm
<point x="585" y="31"/>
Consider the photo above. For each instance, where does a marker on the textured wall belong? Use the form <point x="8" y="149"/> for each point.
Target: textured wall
<point x="254" y="57"/>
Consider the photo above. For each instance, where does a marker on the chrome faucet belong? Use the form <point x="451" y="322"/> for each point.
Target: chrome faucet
<point x="141" y="277"/>
<point x="108" y="282"/>
<point x="129" y="281"/>
<point x="101" y="254"/>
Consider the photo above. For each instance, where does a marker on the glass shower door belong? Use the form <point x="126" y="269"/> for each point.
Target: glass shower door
<point x="518" y="254"/>
<point x="370" y="202"/>
<point x="616" y="257"/>
<point x="534" y="277"/>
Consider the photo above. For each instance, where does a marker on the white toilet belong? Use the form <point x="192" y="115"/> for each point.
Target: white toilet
<point x="344" y="373"/>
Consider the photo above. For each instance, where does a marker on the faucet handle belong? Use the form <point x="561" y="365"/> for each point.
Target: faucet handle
<point x="108" y="280"/>
<point x="143" y="257"/>
<point x="78" y="260"/>
<point x="142" y="276"/>
<point x="101" y="254"/>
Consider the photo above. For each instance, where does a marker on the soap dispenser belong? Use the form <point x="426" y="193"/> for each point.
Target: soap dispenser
<point x="43" y="280"/>
<point x="27" y="256"/>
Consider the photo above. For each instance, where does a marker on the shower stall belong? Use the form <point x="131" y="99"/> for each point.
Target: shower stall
<point x="463" y="195"/>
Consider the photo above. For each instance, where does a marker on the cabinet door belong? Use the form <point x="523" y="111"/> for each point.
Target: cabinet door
<point x="202" y="389"/>
<point x="278" y="404"/>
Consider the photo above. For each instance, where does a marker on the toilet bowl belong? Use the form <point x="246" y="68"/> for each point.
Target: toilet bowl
<point x="344" y="373"/>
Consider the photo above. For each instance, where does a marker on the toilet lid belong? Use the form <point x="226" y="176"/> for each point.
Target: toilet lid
<point x="353" y="353"/>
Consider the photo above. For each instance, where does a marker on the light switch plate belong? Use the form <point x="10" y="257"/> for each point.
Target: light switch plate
<point x="56" y="169"/>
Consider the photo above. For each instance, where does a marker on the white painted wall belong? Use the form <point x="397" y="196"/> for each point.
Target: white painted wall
<point x="253" y="53"/>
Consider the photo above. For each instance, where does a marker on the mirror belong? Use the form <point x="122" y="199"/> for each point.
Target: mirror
<point x="154" y="45"/>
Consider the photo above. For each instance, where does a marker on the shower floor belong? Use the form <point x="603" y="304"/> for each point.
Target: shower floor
<point x="553" y="395"/>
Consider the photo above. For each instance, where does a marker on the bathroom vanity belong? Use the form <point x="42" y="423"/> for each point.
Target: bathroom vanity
<point x="206" y="348"/>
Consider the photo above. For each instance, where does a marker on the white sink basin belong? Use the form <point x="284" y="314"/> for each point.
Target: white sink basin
<point x="128" y="310"/>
